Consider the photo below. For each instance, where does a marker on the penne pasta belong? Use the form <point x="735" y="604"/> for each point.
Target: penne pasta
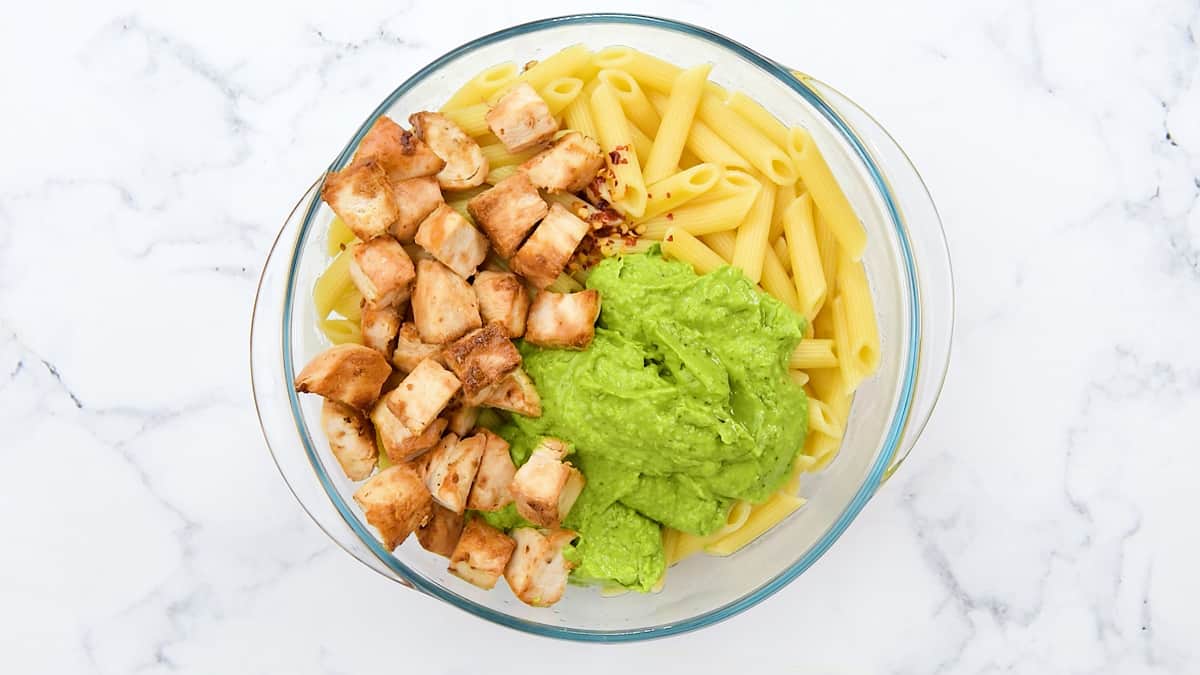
<point x="626" y="185"/>
<point x="641" y="143"/>
<point x="781" y="252"/>
<point x="823" y="420"/>
<point x="680" y="188"/>
<point x="746" y="140"/>
<point x="721" y="243"/>
<point x="650" y="71"/>
<point x="813" y="353"/>
<point x="333" y="282"/>
<point x="847" y="363"/>
<point x="681" y="245"/>
<point x="784" y="196"/>
<point x="762" y="518"/>
<point x="703" y="142"/>
<point x="340" y="236"/>
<point x="732" y="184"/>
<point x="806" y="259"/>
<point x="499" y="173"/>
<point x="342" y="331"/>
<point x="804" y="464"/>
<point x="560" y="92"/>
<point x="349" y="304"/>
<point x="638" y="109"/>
<point x="481" y="87"/>
<point x="471" y="118"/>
<point x="750" y="246"/>
<point x="776" y="282"/>
<point x="753" y="112"/>
<point x="827" y="246"/>
<point x="497" y="155"/>
<point x="799" y="377"/>
<point x="578" y="116"/>
<point x="566" y="63"/>
<point x="677" y="117"/>
<point x="862" y="329"/>
<point x="705" y="218"/>
<point x="826" y="194"/>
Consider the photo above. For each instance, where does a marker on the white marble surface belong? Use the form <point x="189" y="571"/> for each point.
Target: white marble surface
<point x="1046" y="522"/>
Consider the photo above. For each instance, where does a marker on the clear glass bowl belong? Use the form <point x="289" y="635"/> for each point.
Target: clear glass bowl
<point x="906" y="260"/>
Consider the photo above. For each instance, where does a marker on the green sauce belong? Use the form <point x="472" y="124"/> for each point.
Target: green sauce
<point x="681" y="406"/>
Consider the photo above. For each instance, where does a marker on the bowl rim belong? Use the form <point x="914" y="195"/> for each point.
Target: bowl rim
<point x="870" y="484"/>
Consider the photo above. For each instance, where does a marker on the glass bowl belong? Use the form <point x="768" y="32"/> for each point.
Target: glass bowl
<point x="906" y="260"/>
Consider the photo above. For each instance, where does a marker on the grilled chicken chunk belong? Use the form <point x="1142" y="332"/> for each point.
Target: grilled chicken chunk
<point x="481" y="554"/>
<point x="399" y="442"/>
<point x="351" y="438"/>
<point x="490" y="491"/>
<point x="349" y="373"/>
<point x="441" y="533"/>
<point x="444" y="306"/>
<point x="545" y="254"/>
<point x="461" y="418"/>
<point x="382" y="271"/>
<point x="466" y="167"/>
<point x="504" y="299"/>
<point x="537" y="571"/>
<point x="379" y="328"/>
<point x="567" y="166"/>
<point x="362" y="197"/>
<point x="515" y="393"/>
<point x="452" y="240"/>
<point x="521" y="119"/>
<point x="480" y="359"/>
<point x="565" y="320"/>
<point x="546" y="487"/>
<point x="396" y="502"/>
<point x="410" y="349"/>
<point x="416" y="198"/>
<point x="507" y="212"/>
<point x="401" y="154"/>
<point x="422" y="395"/>
<point x="451" y="469"/>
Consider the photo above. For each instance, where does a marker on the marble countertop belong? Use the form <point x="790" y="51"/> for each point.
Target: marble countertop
<point x="1045" y="522"/>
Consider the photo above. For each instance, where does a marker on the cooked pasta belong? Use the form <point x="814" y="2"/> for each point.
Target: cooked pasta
<point x="566" y="63"/>
<point x="806" y="259"/>
<point x="560" y="92"/>
<point x="762" y="518"/>
<point x="649" y="70"/>
<point x="703" y="142"/>
<point x="681" y="245"/>
<point x="616" y="140"/>
<point x="746" y="140"/>
<point x="679" y="188"/>
<point x="481" y="87"/>
<point x="637" y="107"/>
<point x="813" y="353"/>
<point x="776" y="281"/>
<point x="750" y="246"/>
<point x="340" y="237"/>
<point x="862" y="331"/>
<point x="784" y="196"/>
<point x="677" y="117"/>
<point x="826" y="193"/>
<point x="781" y="252"/>
<point x="755" y="114"/>
<point x="703" y="218"/>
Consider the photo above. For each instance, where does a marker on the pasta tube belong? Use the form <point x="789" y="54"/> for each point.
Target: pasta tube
<point x="746" y="140"/>
<point x="750" y="246"/>
<point x="340" y="236"/>
<point x="471" y="118"/>
<point x="680" y="188"/>
<point x="633" y="100"/>
<point x="813" y="353"/>
<point x="681" y="245"/>
<point x="784" y="196"/>
<point x="806" y="260"/>
<point x="776" y="282"/>
<point x="755" y="114"/>
<point x="481" y="87"/>
<point x="823" y="420"/>
<point x="677" y="117"/>
<point x="627" y="187"/>
<point x="826" y="193"/>
<point x="559" y="92"/>
<point x="862" y="331"/>
<point x="650" y="71"/>
<point x="704" y="218"/>
<point x="565" y="63"/>
<point x="762" y="518"/>
<point x="332" y="283"/>
<point x="703" y="141"/>
<point x="781" y="252"/>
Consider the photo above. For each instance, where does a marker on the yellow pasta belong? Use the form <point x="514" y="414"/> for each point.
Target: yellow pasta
<point x="721" y="243"/>
<point x="560" y="92"/>
<point x="681" y="245"/>
<point x="762" y="518"/>
<point x="498" y="155"/>
<point x="847" y="363"/>
<point x="828" y="247"/>
<point x="822" y="419"/>
<point x="680" y="188"/>
<point x="627" y="187"/>
<point x="826" y="193"/>
<point x="804" y="463"/>
<point x="776" y="282"/>
<point x="753" y="112"/>
<point x="781" y="252"/>
<point x="481" y="87"/>
<point x="806" y="259"/>
<point x="566" y="63"/>
<point x="341" y="331"/>
<point x="677" y="117"/>
<point x="862" y="331"/>
<point x="813" y="353"/>
<point x="732" y="184"/>
<point x="349" y="304"/>
<point x="340" y="236"/>
<point x="750" y="246"/>
<point x="332" y="283"/>
<point x="471" y="118"/>
<point x="784" y="195"/>
<point x="499" y="173"/>
<point x="637" y="107"/>
<point x="564" y="284"/>
<point x="641" y="143"/>
<point x="798" y="377"/>
<point x="746" y="140"/>
<point x="704" y="218"/>
<point x="578" y="116"/>
<point x="828" y="385"/>
<point x="650" y="71"/>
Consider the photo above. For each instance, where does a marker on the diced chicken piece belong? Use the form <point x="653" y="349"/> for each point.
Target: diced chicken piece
<point x="507" y="212"/>
<point x="453" y="240"/>
<point x="416" y="253"/>
<point x="461" y="418"/>
<point x="504" y="299"/>
<point x="545" y="254"/>
<point x="537" y="571"/>
<point x="480" y="359"/>
<point x="546" y="487"/>
<point x="566" y="320"/>
<point x="481" y="554"/>
<point x="396" y="502"/>
<point x="410" y="349"/>
<point x="441" y="533"/>
<point x="379" y="327"/>
<point x="422" y="395"/>
<point x="399" y="442"/>
<point x="348" y="373"/>
<point x="515" y="393"/>
<point x="416" y="198"/>
<point x="567" y="166"/>
<point x="452" y="466"/>
<point x="521" y="119"/>
<point x="382" y="271"/>
<point x="444" y="306"/>
<point x="351" y="438"/>
<point x="466" y="165"/>
<point x="401" y="154"/>
<point x="490" y="491"/>
<point x="362" y="197"/>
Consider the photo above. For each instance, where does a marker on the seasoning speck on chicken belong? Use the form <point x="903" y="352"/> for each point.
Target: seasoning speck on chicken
<point x="521" y="119"/>
<point x="545" y="254"/>
<point x="441" y="533"/>
<point x="401" y="154"/>
<point x="480" y="359"/>
<point x="461" y="418"/>
<point x="481" y="554"/>
<point x="504" y="299"/>
<point x="537" y="571"/>
<point x="453" y="240"/>
<point x="379" y="327"/>
<point x="347" y="373"/>
<point x="507" y="212"/>
<point x="416" y="198"/>
<point x="362" y="197"/>
<point x="396" y="502"/>
<point x="564" y="320"/>
<point x="567" y="166"/>
<point x="399" y="442"/>
<point x="515" y="393"/>
<point x="496" y="469"/>
<point x="382" y="271"/>
<point x="451" y="469"/>
<point x="410" y="349"/>
<point x="466" y="166"/>
<point x="546" y="487"/>
<point x="351" y="438"/>
<point x="422" y="395"/>
<point x="444" y="306"/>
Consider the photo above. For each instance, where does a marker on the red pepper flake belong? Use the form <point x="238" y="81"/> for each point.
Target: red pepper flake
<point x="670" y="216"/>
<point x="671" y="238"/>
<point x="668" y="195"/>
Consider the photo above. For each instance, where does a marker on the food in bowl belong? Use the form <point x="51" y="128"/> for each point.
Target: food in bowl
<point x="590" y="318"/>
